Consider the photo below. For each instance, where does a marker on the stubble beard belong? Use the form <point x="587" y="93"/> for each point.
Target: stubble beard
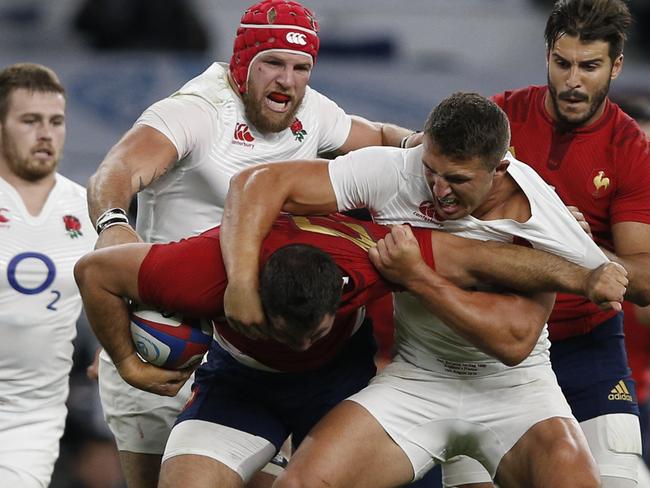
<point x="261" y="122"/>
<point x="566" y="124"/>
<point x="26" y="168"/>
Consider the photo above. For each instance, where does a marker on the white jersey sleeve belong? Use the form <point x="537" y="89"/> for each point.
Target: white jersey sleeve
<point x="388" y="181"/>
<point x="184" y="120"/>
<point x="334" y="123"/>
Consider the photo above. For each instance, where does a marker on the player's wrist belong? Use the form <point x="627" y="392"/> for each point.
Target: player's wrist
<point x="110" y="218"/>
<point x="404" y="143"/>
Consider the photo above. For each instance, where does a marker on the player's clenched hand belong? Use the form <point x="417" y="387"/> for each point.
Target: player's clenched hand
<point x="397" y="256"/>
<point x="606" y="286"/>
<point x="117" y="234"/>
<point x="147" y="377"/>
<point x="579" y="216"/>
<point x="243" y="310"/>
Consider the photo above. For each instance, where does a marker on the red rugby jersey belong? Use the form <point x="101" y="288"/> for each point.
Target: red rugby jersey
<point x="603" y="169"/>
<point x="189" y="277"/>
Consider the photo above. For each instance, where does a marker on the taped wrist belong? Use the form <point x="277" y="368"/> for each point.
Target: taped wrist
<point x="112" y="216"/>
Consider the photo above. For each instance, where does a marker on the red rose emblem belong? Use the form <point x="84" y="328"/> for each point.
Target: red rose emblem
<point x="296" y="126"/>
<point x="72" y="226"/>
<point x="296" y="129"/>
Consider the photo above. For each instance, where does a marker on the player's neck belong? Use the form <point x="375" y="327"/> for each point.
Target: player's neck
<point x="506" y="200"/>
<point x="33" y="193"/>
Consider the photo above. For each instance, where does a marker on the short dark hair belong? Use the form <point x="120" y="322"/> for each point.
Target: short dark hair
<point x="30" y="76"/>
<point x="300" y="284"/>
<point x="468" y="125"/>
<point x="590" y="20"/>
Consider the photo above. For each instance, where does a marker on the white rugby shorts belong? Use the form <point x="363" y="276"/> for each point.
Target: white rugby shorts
<point x="29" y="446"/>
<point x="140" y="421"/>
<point x="242" y="452"/>
<point x="434" y="415"/>
<point x="614" y="441"/>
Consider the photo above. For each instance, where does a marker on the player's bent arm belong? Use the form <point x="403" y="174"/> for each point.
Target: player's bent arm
<point x="138" y="159"/>
<point x="632" y="245"/>
<point x="505" y="326"/>
<point x="104" y="277"/>
<point x="255" y="198"/>
<point x="468" y="262"/>
<point x="364" y="133"/>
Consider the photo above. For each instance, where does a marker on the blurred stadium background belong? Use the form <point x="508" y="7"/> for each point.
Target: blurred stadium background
<point x="385" y="60"/>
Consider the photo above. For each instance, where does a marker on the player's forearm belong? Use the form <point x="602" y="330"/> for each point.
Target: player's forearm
<point x="107" y="312"/>
<point x="249" y="213"/>
<point x="364" y="133"/>
<point x="396" y="136"/>
<point x="110" y="187"/>
<point x="501" y="325"/>
<point x="525" y="269"/>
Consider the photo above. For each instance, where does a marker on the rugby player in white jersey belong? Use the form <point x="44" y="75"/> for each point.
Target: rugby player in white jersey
<point x="180" y="155"/>
<point x="45" y="228"/>
<point x="486" y="391"/>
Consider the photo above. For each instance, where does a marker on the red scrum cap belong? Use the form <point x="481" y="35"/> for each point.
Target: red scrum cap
<point x="272" y="24"/>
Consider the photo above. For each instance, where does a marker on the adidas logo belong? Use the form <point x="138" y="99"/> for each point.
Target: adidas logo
<point x="620" y="392"/>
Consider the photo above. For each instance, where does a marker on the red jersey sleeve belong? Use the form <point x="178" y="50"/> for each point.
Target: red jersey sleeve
<point x="426" y="249"/>
<point x="185" y="277"/>
<point x="632" y="200"/>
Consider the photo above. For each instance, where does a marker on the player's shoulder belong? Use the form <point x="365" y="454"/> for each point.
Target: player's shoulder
<point x="624" y="129"/>
<point x="211" y="86"/>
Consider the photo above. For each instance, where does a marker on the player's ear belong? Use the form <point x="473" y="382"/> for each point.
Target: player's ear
<point x="617" y="67"/>
<point x="502" y="167"/>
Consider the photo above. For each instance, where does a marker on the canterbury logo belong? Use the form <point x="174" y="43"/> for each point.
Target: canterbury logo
<point x="601" y="181"/>
<point x="620" y="392"/>
<point x="296" y="38"/>
<point x="242" y="133"/>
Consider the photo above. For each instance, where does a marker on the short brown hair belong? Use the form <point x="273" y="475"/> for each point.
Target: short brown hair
<point x="590" y="20"/>
<point x="30" y="76"/>
<point x="468" y="125"/>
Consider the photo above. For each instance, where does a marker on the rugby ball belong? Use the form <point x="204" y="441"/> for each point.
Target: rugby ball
<point x="170" y="341"/>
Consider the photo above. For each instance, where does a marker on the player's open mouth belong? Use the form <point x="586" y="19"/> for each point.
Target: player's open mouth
<point x="448" y="203"/>
<point x="278" y="102"/>
<point x="43" y="153"/>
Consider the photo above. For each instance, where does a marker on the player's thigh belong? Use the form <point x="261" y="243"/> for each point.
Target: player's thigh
<point x="196" y="471"/>
<point x="234" y="453"/>
<point x="554" y="452"/>
<point x="347" y="448"/>
<point x="140" y="470"/>
<point x="615" y="442"/>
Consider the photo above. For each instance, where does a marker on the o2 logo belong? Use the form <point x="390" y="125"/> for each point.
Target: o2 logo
<point x="26" y="290"/>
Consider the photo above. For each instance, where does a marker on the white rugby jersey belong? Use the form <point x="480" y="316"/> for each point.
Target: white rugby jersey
<point x="39" y="300"/>
<point x="392" y="184"/>
<point x="205" y="121"/>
